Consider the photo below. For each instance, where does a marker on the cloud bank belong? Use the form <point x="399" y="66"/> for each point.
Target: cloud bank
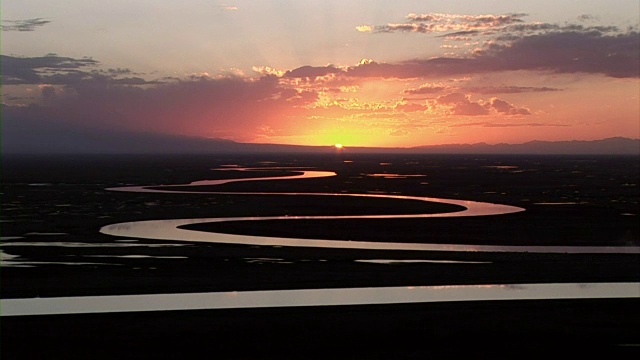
<point x="23" y="25"/>
<point x="413" y="95"/>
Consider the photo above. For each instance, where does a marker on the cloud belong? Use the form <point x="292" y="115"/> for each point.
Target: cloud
<point x="465" y="26"/>
<point x="500" y="125"/>
<point x="507" y="89"/>
<point x="23" y="25"/>
<point x="594" y="52"/>
<point x="475" y="21"/>
<point x="567" y="52"/>
<point x="460" y="35"/>
<point x="266" y="70"/>
<point x="364" y="28"/>
<point x="410" y="107"/>
<point x="429" y="88"/>
<point x="233" y="107"/>
<point x="434" y="88"/>
<point x="312" y="72"/>
<point x="430" y="23"/>
<point x="33" y="70"/>
<point x="56" y="70"/>
<point x="545" y="27"/>
<point x="590" y="51"/>
<point x="506" y="108"/>
<point x="512" y="44"/>
<point x="461" y="104"/>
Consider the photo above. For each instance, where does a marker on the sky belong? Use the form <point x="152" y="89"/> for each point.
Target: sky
<point x="359" y="73"/>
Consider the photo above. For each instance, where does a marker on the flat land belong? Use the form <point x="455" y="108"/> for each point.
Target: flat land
<point x="53" y="208"/>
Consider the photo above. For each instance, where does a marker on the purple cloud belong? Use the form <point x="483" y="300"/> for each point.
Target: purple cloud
<point x="233" y="107"/>
<point x="425" y="89"/>
<point x="461" y="104"/>
<point x="506" y="108"/>
<point x="507" y="89"/>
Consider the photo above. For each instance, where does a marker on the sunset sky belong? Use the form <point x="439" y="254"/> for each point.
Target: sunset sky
<point x="360" y="73"/>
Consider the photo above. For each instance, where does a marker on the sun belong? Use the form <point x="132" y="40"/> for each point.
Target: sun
<point x="338" y="146"/>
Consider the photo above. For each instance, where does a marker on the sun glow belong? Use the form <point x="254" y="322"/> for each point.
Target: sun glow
<point x="338" y="146"/>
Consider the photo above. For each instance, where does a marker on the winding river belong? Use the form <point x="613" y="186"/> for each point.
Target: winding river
<point x="170" y="230"/>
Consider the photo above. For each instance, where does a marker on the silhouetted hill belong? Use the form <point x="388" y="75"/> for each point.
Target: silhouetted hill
<point x="614" y="145"/>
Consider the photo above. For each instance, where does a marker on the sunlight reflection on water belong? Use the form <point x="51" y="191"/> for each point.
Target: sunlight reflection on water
<point x="314" y="297"/>
<point x="169" y="229"/>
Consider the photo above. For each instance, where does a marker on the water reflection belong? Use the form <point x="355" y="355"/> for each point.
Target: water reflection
<point x="396" y="261"/>
<point x="84" y="244"/>
<point x="147" y="188"/>
<point x="170" y="229"/>
<point x="9" y="260"/>
<point x="314" y="297"/>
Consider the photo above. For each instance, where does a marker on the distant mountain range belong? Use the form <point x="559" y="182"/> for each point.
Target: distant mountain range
<point x="25" y="138"/>
<point x="614" y="145"/>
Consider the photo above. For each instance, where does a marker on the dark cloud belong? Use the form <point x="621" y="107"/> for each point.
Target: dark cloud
<point x="23" y="25"/>
<point x="614" y="55"/>
<point x="312" y="72"/>
<point x="233" y="106"/>
<point x="49" y="94"/>
<point x="425" y="89"/>
<point x="545" y="27"/>
<point x="594" y="52"/>
<point x="500" y="125"/>
<point x="56" y="70"/>
<point x="418" y="28"/>
<point x="503" y="107"/>
<point x="507" y="89"/>
<point x="567" y="52"/>
<point x="133" y="81"/>
<point x="9" y="97"/>
<point x="33" y="70"/>
<point x="461" y="104"/>
<point x="459" y="34"/>
<point x="465" y="24"/>
<point x="512" y="44"/>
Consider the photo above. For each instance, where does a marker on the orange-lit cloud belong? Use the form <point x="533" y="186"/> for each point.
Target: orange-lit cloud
<point x="428" y="88"/>
<point x="512" y="89"/>
<point x="461" y="104"/>
<point x="503" y="107"/>
<point x="465" y="24"/>
<point x="508" y="125"/>
<point x="520" y="75"/>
